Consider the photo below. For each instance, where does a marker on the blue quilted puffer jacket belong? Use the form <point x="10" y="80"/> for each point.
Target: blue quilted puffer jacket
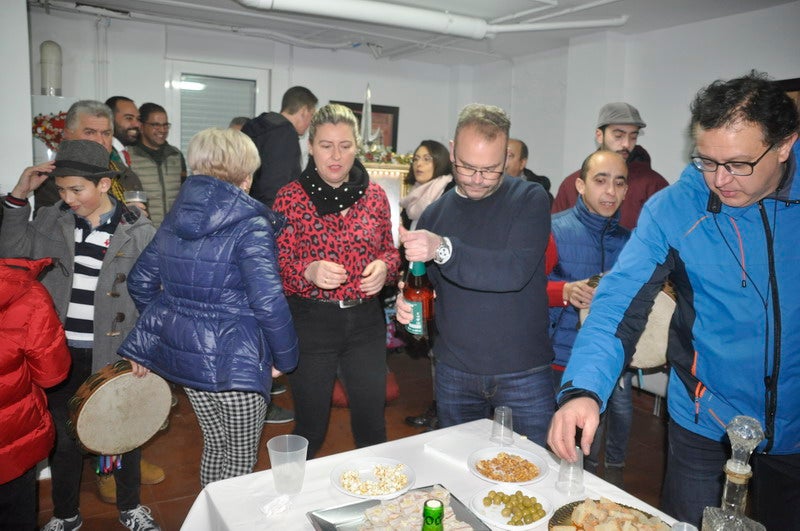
<point x="588" y="244"/>
<point x="208" y="288"/>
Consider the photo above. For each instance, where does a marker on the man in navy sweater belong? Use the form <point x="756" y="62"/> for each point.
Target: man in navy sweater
<point x="487" y="239"/>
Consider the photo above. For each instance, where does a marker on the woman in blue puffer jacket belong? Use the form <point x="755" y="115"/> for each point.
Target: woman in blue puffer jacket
<point x="213" y="314"/>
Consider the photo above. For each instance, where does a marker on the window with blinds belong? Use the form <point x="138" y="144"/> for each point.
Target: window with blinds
<point x="211" y="101"/>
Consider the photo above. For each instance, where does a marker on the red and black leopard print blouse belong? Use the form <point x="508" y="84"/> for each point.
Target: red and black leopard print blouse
<point x="354" y="240"/>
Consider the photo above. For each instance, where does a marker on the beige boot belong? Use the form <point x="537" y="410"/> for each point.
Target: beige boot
<point x="151" y="474"/>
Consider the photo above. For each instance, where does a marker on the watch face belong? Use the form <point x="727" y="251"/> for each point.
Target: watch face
<point x="443" y="252"/>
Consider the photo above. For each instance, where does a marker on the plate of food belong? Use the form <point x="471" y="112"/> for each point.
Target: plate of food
<point x="507" y="465"/>
<point x="401" y="513"/>
<point x="588" y="514"/>
<point x="373" y="478"/>
<point x="513" y="508"/>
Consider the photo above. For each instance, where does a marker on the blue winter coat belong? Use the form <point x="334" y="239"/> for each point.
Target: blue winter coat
<point x="588" y="244"/>
<point x="213" y="313"/>
<point x="732" y="297"/>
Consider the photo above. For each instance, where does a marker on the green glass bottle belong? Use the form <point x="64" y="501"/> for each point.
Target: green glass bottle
<point x="433" y="515"/>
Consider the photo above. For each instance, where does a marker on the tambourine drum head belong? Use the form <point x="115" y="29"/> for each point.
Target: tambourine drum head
<point x="123" y="413"/>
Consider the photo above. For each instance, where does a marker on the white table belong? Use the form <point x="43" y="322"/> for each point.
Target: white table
<point x="436" y="457"/>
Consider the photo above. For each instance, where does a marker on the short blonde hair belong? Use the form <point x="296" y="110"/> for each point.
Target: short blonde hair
<point x="227" y="154"/>
<point x="490" y="121"/>
<point x="333" y="113"/>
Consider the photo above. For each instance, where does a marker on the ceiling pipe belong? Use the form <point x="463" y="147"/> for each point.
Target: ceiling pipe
<point x="570" y="10"/>
<point x="380" y="13"/>
<point x="72" y="7"/>
<point x="415" y="18"/>
<point x="547" y="26"/>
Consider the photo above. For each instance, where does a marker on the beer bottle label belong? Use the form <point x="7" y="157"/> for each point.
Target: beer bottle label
<point x="417" y="324"/>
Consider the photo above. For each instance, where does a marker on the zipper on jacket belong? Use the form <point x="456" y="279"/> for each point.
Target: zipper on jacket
<point x="771" y="380"/>
<point x="699" y="390"/>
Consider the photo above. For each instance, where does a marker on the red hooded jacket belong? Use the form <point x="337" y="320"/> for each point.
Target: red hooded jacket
<point x="33" y="355"/>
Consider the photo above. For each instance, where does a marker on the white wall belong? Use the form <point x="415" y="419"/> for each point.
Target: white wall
<point x="552" y="98"/>
<point x="666" y="68"/>
<point x="138" y="54"/>
<point x="15" y="92"/>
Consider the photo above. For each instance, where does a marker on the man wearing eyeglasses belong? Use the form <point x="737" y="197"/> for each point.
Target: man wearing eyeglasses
<point x="726" y="235"/>
<point x="160" y="166"/>
<point x="487" y="239"/>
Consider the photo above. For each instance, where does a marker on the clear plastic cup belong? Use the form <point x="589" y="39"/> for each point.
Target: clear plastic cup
<point x="570" y="475"/>
<point x="287" y="455"/>
<point x="502" y="427"/>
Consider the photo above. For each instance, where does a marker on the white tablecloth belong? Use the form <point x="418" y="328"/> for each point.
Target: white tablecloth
<point x="436" y="457"/>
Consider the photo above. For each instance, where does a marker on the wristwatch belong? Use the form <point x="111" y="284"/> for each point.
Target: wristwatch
<point x="443" y="252"/>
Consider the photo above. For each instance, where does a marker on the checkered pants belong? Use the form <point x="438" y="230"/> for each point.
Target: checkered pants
<point x="231" y="422"/>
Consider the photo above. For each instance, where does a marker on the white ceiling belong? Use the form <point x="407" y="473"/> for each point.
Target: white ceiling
<point x="384" y="40"/>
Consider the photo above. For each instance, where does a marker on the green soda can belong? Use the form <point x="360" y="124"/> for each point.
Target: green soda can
<point x="433" y="515"/>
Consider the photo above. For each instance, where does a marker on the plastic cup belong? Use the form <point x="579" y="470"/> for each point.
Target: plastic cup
<point x="134" y="196"/>
<point x="570" y="475"/>
<point x="683" y="526"/>
<point x="502" y="427"/>
<point x="287" y="455"/>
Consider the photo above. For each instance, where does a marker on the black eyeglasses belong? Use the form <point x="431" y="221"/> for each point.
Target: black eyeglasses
<point x="423" y="158"/>
<point x="469" y="171"/>
<point x="156" y="125"/>
<point x="738" y="168"/>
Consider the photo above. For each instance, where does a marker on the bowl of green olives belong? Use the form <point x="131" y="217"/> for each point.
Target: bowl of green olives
<point x="513" y="509"/>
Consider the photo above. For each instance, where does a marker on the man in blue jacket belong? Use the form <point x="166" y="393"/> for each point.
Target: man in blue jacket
<point x="726" y="233"/>
<point x="588" y="239"/>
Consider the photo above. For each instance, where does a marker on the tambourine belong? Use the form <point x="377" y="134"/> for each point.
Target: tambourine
<point x="114" y="412"/>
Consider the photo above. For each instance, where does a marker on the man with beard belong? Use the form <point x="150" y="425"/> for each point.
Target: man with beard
<point x="161" y="166"/>
<point x="127" y="127"/>
<point x="91" y="120"/>
<point x="618" y="130"/>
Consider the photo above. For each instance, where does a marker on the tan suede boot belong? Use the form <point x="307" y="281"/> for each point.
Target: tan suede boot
<point x="151" y="475"/>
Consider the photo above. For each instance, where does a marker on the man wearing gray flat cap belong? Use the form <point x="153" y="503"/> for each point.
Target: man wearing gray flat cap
<point x="617" y="130"/>
<point x="96" y="239"/>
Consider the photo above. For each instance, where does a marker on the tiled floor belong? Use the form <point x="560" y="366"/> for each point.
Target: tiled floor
<point x="178" y="450"/>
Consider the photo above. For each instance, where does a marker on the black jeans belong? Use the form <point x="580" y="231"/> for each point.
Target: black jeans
<point x="18" y="503"/>
<point x="66" y="461"/>
<point x="776" y="490"/>
<point x="352" y="341"/>
<point x="695" y="478"/>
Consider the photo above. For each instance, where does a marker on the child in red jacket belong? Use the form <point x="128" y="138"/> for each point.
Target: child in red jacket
<point x="33" y="355"/>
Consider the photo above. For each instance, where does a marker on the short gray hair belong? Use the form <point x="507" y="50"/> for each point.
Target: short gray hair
<point x="98" y="109"/>
<point x="489" y="120"/>
<point x="227" y="154"/>
<point x="333" y="113"/>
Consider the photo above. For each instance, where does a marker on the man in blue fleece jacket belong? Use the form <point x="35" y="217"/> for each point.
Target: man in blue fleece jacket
<point x="726" y="235"/>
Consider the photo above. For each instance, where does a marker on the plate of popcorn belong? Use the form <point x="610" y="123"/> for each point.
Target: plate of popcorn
<point x="507" y="465"/>
<point x="373" y="478"/>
